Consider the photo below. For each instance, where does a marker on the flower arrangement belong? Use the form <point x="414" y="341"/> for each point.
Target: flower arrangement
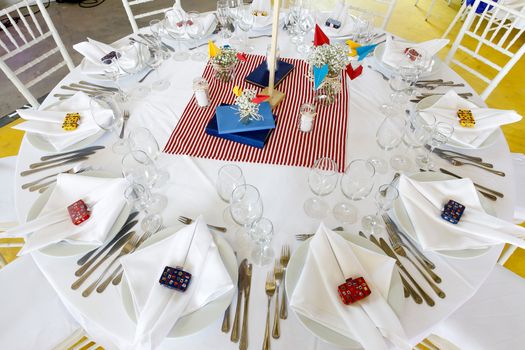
<point x="334" y="55"/>
<point x="223" y="61"/>
<point x="225" y="57"/>
<point x="248" y="106"/>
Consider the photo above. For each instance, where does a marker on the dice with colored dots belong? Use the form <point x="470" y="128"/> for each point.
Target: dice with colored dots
<point x="175" y="278"/>
<point x="71" y="121"/>
<point x="353" y="289"/>
<point x="453" y="211"/>
<point x="466" y="118"/>
<point x="78" y="212"/>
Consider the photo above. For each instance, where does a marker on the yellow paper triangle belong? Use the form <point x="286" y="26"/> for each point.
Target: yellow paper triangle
<point x="213" y="50"/>
<point x="353" y="46"/>
<point x="237" y="91"/>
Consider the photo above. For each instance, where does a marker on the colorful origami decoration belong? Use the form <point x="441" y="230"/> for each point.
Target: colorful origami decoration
<point x="353" y="73"/>
<point x="213" y="50"/>
<point x="320" y="37"/>
<point x="319" y="74"/>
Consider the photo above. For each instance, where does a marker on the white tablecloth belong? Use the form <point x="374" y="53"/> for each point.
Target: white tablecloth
<point x="284" y="189"/>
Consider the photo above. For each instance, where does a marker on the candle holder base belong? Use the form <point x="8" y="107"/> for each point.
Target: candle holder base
<point x="275" y="98"/>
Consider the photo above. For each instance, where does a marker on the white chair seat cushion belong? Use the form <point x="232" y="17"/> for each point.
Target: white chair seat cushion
<point x="494" y="318"/>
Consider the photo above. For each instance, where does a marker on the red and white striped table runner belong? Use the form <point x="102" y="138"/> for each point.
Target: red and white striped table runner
<point x="287" y="145"/>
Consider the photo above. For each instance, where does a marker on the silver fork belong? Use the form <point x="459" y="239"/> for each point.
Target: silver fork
<point x="128" y="248"/>
<point x="186" y="221"/>
<point x="125" y="119"/>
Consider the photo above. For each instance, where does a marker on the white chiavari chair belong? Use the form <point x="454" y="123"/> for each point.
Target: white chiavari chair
<point x="486" y="40"/>
<point x="21" y="29"/>
<point x="381" y="10"/>
<point x="493" y="318"/>
<point x="149" y="12"/>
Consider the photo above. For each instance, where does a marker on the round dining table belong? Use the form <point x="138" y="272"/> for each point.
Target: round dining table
<point x="191" y="192"/>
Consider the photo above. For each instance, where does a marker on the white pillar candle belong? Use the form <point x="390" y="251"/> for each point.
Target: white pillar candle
<point x="308" y="113"/>
<point x="201" y="88"/>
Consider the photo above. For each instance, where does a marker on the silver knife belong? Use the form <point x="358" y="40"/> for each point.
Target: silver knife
<point x="241" y="280"/>
<point x="57" y="155"/>
<point x="32" y="171"/>
<point x="51" y="161"/>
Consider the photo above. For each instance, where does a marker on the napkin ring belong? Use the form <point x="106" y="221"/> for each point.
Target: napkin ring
<point x="354" y="289"/>
<point x="332" y="22"/>
<point x="453" y="211"/>
<point x="412" y="53"/>
<point x="110" y="56"/>
<point x="78" y="212"/>
<point x="71" y="121"/>
<point x="466" y="118"/>
<point x="175" y="278"/>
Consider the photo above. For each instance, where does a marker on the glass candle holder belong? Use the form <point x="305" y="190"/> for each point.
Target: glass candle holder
<point x="202" y="91"/>
<point x="307" y="117"/>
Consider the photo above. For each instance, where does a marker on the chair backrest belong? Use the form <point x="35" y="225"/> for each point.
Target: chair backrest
<point x="381" y="10"/>
<point x="493" y="38"/>
<point x="147" y="10"/>
<point x="21" y="29"/>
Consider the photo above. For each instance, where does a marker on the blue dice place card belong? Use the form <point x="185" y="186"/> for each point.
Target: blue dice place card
<point x="228" y="119"/>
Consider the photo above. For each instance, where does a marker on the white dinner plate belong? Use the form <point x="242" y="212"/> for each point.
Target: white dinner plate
<point x="41" y="142"/>
<point x="430" y="100"/>
<point x="64" y="249"/>
<point x="293" y="272"/>
<point x="403" y="221"/>
<point x="380" y="50"/>
<point x="209" y="313"/>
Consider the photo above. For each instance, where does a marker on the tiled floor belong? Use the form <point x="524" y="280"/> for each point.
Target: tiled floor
<point x="108" y="23"/>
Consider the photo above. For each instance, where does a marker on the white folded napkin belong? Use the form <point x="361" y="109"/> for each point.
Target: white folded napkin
<point x="49" y="122"/>
<point x="316" y="296"/>
<point x="105" y="198"/>
<point x="476" y="229"/>
<point x="262" y="21"/>
<point x="158" y="307"/>
<point x="487" y="119"/>
<point x="93" y="51"/>
<point x="207" y="20"/>
<point x="340" y="13"/>
<point x="394" y="50"/>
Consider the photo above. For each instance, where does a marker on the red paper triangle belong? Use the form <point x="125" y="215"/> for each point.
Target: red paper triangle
<point x="353" y="73"/>
<point x="320" y="37"/>
<point x="260" y="98"/>
<point x="241" y="56"/>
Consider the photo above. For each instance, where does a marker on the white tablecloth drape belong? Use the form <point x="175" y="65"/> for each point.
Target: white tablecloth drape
<point x="284" y="189"/>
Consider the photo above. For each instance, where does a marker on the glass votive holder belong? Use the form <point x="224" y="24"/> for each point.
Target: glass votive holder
<point x="307" y="116"/>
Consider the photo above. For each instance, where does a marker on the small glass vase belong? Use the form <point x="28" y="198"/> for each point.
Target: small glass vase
<point x="329" y="90"/>
<point x="224" y="73"/>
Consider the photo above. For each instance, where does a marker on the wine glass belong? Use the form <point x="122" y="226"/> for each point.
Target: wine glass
<point x="305" y="24"/>
<point x="245" y="22"/>
<point x="154" y="61"/>
<point x="195" y="31"/>
<point x="400" y="87"/>
<point x="440" y="134"/>
<point x="384" y="199"/>
<point x="112" y="72"/>
<point x="229" y="178"/>
<point x="223" y="10"/>
<point x="356" y="184"/>
<point x="108" y="114"/>
<point x="141" y="139"/>
<point x="245" y="205"/>
<point x="322" y="180"/>
<point x="261" y="232"/>
<point x="175" y="22"/>
<point x="364" y="25"/>
<point x="143" y="200"/>
<point x="137" y="167"/>
<point x="388" y="136"/>
<point x="132" y="61"/>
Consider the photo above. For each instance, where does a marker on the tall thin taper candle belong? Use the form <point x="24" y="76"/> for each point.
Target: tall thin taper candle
<point x="273" y="49"/>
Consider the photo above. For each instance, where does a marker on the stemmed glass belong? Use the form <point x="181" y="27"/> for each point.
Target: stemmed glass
<point x="305" y="24"/>
<point x="245" y="22"/>
<point x="195" y="31"/>
<point x="131" y="61"/>
<point x="439" y="135"/>
<point x="142" y="199"/>
<point x="137" y="167"/>
<point x="229" y="177"/>
<point x="364" y="25"/>
<point x="261" y="232"/>
<point x="108" y="114"/>
<point x="388" y="136"/>
<point x="322" y="179"/>
<point x="418" y="131"/>
<point x="384" y="198"/>
<point x="112" y="72"/>
<point x="223" y="10"/>
<point x="294" y="14"/>
<point x="175" y="22"/>
<point x="246" y="205"/>
<point x="141" y="139"/>
<point x="157" y="57"/>
<point x="356" y="184"/>
<point x="400" y="87"/>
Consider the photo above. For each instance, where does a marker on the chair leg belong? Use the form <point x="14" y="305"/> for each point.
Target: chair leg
<point x="462" y="11"/>
<point x="429" y="12"/>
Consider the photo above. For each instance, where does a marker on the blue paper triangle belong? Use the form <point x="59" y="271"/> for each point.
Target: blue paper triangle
<point x="319" y="74"/>
<point x="363" y="51"/>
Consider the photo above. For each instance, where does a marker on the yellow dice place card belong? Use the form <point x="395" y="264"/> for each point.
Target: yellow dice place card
<point x="71" y="121"/>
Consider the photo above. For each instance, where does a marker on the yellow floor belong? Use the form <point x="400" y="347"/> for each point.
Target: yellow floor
<point x="407" y="21"/>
